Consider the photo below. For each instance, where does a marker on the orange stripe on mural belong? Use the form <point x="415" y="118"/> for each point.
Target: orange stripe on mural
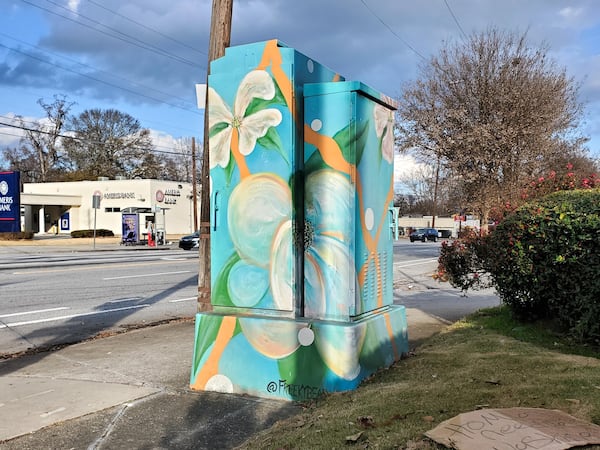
<point x="334" y="234"/>
<point x="239" y="158"/>
<point x="388" y="199"/>
<point x="329" y="149"/>
<point x="362" y="273"/>
<point x="211" y="366"/>
<point x="369" y="243"/>
<point x="372" y="242"/>
<point x="271" y="56"/>
<point x="390" y="330"/>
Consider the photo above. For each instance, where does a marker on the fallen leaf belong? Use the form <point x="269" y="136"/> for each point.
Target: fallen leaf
<point x="299" y="423"/>
<point x="366" y="421"/>
<point x="428" y="419"/>
<point x="355" y="437"/>
<point x="493" y="381"/>
<point x="573" y="400"/>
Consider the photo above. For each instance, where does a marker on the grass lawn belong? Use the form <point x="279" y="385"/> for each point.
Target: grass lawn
<point x="484" y="361"/>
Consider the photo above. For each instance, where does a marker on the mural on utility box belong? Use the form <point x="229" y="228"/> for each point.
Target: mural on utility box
<point x="293" y="193"/>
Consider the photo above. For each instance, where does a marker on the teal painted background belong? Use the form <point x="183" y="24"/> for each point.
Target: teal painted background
<point x="300" y="237"/>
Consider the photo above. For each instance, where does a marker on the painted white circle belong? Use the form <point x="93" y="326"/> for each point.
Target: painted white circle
<point x="369" y="219"/>
<point x="306" y="337"/>
<point x="310" y="65"/>
<point x="316" y="125"/>
<point x="219" y="383"/>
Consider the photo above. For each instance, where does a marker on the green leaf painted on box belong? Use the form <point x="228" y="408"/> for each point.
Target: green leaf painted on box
<point x="208" y="328"/>
<point x="220" y="293"/>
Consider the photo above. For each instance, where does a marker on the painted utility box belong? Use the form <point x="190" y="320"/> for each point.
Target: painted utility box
<point x="301" y="166"/>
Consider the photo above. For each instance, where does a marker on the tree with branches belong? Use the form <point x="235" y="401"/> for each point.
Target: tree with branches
<point x="495" y="112"/>
<point x="39" y="154"/>
<point x="107" y="143"/>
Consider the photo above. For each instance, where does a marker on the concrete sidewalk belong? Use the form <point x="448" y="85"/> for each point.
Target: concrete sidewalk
<point x="123" y="392"/>
<point x="130" y="391"/>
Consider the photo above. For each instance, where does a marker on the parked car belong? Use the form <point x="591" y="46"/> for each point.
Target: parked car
<point x="189" y="242"/>
<point x="424" y="234"/>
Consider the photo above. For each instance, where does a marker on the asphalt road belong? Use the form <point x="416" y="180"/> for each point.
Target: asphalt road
<point x="50" y="297"/>
<point x="414" y="287"/>
<point x="56" y="297"/>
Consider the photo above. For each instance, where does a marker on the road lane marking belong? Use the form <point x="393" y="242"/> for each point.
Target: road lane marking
<point x="37" y="394"/>
<point x="183" y="300"/>
<point x="124" y="300"/>
<point x="34" y="312"/>
<point x="146" y="275"/>
<point x="51" y="319"/>
<point x="49" y="413"/>
<point x="415" y="262"/>
<point x="95" y="267"/>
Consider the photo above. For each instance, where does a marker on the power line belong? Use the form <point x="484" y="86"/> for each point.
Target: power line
<point x="19" y="119"/>
<point x="455" y="19"/>
<point x="392" y="31"/>
<point x="10" y="134"/>
<point x="99" y="80"/>
<point x="96" y="69"/>
<point x="85" y="140"/>
<point x="130" y="39"/>
<point x="147" y="27"/>
<point x="142" y="44"/>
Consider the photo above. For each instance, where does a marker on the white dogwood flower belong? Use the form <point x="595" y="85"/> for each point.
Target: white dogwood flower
<point x="222" y="121"/>
<point x="384" y="127"/>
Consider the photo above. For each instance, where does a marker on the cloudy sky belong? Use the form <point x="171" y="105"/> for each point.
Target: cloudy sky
<point x="144" y="57"/>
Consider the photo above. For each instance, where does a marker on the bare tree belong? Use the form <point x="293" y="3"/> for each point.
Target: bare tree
<point x="107" y="143"/>
<point x="23" y="159"/>
<point x="429" y="189"/>
<point x="495" y="111"/>
<point x="182" y="159"/>
<point x="150" y="166"/>
<point x="41" y="150"/>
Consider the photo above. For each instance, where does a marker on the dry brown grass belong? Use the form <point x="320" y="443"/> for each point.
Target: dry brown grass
<point x="473" y="364"/>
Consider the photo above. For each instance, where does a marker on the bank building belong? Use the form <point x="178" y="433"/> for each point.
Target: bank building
<point x="129" y="208"/>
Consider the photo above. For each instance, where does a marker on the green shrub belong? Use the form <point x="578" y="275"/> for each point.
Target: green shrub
<point x="16" y="236"/>
<point x="90" y="233"/>
<point x="460" y="261"/>
<point x="543" y="260"/>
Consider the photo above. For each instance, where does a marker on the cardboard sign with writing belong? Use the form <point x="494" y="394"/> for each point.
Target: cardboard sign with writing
<point x="515" y="429"/>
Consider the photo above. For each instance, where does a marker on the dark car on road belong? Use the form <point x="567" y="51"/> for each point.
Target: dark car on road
<point x="189" y="242"/>
<point x="424" y="234"/>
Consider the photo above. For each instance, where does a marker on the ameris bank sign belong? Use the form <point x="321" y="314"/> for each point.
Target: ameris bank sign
<point x="10" y="202"/>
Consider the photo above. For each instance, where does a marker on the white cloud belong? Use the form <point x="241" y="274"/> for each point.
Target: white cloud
<point x="381" y="45"/>
<point x="571" y="13"/>
<point x="10" y="136"/>
<point x="404" y="165"/>
<point x="74" y="5"/>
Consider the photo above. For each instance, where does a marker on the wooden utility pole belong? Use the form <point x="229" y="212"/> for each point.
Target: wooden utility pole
<point x="194" y="185"/>
<point x="220" y="36"/>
